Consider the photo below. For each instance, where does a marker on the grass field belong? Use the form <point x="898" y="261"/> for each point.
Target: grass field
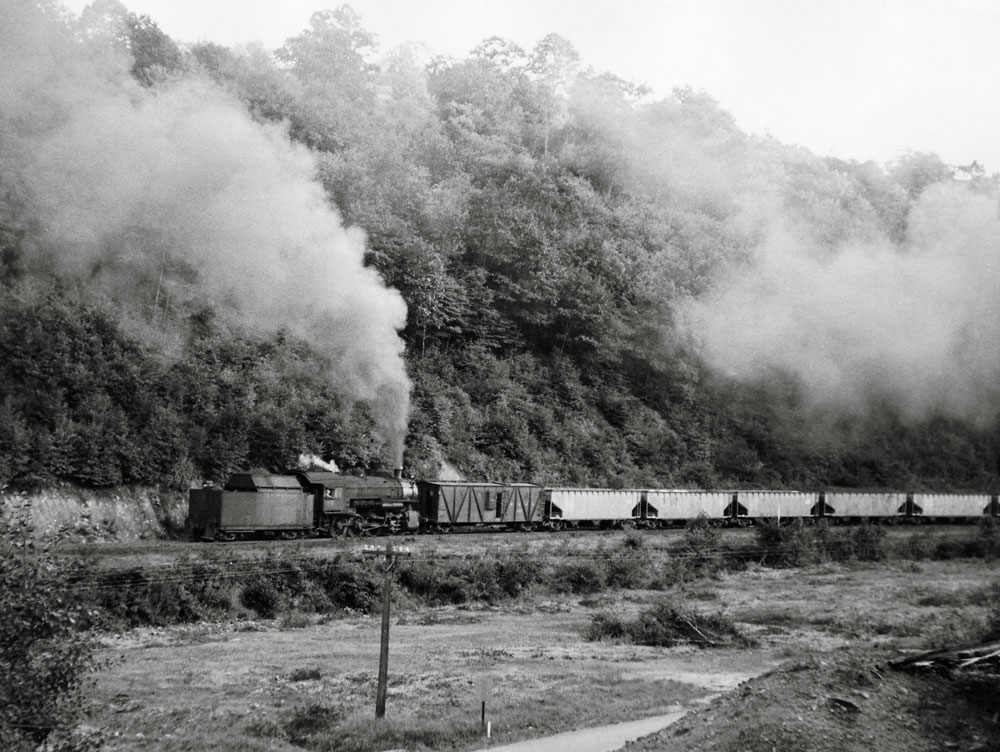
<point x="304" y="681"/>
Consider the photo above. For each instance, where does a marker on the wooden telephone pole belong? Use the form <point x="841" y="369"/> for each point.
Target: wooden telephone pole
<point x="387" y="559"/>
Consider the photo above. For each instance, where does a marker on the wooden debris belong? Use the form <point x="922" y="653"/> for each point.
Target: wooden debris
<point x="985" y="653"/>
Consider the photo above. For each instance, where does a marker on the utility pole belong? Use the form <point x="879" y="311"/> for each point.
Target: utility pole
<point x="387" y="560"/>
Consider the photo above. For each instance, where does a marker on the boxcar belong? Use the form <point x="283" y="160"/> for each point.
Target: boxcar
<point x="673" y="507"/>
<point x="447" y="504"/>
<point x="524" y="505"/>
<point x="865" y="506"/>
<point x="777" y="505"/>
<point x="593" y="506"/>
<point x="250" y="503"/>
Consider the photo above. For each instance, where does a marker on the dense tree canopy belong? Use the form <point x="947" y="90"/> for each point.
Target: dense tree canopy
<point x="550" y="228"/>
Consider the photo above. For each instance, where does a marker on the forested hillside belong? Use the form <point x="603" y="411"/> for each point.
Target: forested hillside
<point x="205" y="254"/>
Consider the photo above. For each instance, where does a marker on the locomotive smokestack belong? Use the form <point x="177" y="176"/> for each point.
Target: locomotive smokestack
<point x="397" y="473"/>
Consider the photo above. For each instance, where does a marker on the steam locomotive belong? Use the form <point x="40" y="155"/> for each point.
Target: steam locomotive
<point x="305" y="503"/>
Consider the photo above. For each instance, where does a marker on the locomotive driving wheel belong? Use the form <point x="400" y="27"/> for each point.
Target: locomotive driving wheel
<point x="394" y="524"/>
<point x="348" y="527"/>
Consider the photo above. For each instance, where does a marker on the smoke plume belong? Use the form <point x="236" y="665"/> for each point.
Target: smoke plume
<point x="173" y="198"/>
<point x="913" y="326"/>
<point x="783" y="268"/>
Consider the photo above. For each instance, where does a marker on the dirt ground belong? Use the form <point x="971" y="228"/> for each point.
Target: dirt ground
<point x="815" y="679"/>
<point x="844" y="701"/>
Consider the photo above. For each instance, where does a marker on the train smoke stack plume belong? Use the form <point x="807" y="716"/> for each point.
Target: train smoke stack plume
<point x="310" y="461"/>
<point x="914" y="326"/>
<point x="173" y="198"/>
<point x="397" y="473"/>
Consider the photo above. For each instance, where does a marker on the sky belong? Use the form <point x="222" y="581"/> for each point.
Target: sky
<point x="855" y="79"/>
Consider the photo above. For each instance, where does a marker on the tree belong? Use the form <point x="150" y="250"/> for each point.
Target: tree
<point x="45" y="656"/>
<point x="554" y="62"/>
<point x="270" y="94"/>
<point x="331" y="61"/>
<point x="155" y="56"/>
<point x="917" y="170"/>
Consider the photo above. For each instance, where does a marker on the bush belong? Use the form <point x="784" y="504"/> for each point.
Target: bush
<point x="628" y="565"/>
<point x="351" y="586"/>
<point x="664" y="625"/>
<point x="866" y="542"/>
<point x="578" y="577"/>
<point x="516" y="572"/>
<point x="793" y="545"/>
<point x="989" y="536"/>
<point x="137" y="597"/>
<point x="489" y="578"/>
<point x="605" y="626"/>
<point x="305" y="674"/>
<point x="44" y="657"/>
<point x="262" y="597"/>
<point x="799" y="544"/>
<point x="460" y="581"/>
<point x="698" y="554"/>
<point x="434" y="583"/>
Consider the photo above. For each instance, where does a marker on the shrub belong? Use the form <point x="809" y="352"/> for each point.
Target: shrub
<point x="866" y="542"/>
<point x="627" y="565"/>
<point x="989" y="536"/>
<point x="305" y="674"/>
<point x="578" y="577"/>
<point x="294" y="619"/>
<point x="666" y="624"/>
<point x="791" y="545"/>
<point x="516" y="572"/>
<point x="605" y="626"/>
<point x="350" y="585"/>
<point x="44" y="657"/>
<point x="960" y="549"/>
<point x="488" y="578"/>
<point x="261" y="596"/>
<point x="434" y="583"/>
<point x="137" y="597"/>
<point x="698" y="554"/>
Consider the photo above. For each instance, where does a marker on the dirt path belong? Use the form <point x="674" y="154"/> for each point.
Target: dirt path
<point x="600" y="739"/>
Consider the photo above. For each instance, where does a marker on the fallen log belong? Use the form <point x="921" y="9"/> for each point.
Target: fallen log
<point x="954" y="657"/>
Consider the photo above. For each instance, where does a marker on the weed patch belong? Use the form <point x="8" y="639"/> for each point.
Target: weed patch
<point x="799" y="544"/>
<point x="664" y="625"/>
<point x="321" y="728"/>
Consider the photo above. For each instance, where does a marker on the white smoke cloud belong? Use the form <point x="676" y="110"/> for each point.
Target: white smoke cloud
<point x="915" y="327"/>
<point x="310" y="461"/>
<point x="791" y="271"/>
<point x="176" y="197"/>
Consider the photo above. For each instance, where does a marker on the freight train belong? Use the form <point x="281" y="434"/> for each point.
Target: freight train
<point x="300" y="503"/>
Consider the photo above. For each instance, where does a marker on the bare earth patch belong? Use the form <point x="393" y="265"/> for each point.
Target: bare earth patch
<point x="821" y="634"/>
